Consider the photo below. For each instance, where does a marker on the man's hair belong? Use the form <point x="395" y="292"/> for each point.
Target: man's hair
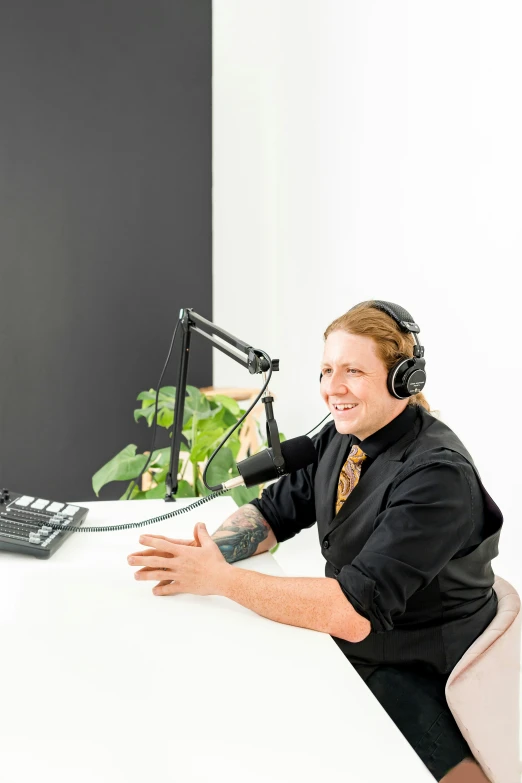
<point x="392" y="345"/>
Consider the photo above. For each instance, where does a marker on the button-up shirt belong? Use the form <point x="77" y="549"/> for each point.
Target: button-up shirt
<point x="432" y="514"/>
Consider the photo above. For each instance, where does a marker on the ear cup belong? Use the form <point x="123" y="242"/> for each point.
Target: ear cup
<point x="406" y="378"/>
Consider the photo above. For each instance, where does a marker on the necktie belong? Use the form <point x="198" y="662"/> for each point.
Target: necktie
<point x="350" y="474"/>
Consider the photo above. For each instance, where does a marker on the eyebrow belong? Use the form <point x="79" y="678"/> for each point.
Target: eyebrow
<point x="344" y="364"/>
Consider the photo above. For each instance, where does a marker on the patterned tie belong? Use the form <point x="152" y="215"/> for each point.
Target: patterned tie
<point x="350" y="474"/>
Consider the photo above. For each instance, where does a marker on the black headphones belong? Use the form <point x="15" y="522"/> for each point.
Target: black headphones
<point x="408" y="376"/>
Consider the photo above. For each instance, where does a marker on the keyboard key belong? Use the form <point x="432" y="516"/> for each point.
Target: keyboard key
<point x="70" y="510"/>
<point x="55" y="507"/>
<point x="25" y="501"/>
<point x="39" y="504"/>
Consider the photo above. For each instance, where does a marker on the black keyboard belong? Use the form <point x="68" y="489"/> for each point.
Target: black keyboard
<point x="28" y="525"/>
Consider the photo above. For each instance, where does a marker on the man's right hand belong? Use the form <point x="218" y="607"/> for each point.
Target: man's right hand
<point x="155" y="552"/>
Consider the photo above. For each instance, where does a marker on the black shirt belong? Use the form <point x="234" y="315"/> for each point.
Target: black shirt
<point x="430" y="511"/>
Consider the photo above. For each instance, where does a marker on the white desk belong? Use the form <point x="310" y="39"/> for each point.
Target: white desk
<point x="102" y="682"/>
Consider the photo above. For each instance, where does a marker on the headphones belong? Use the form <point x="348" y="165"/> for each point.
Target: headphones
<point x="408" y="376"/>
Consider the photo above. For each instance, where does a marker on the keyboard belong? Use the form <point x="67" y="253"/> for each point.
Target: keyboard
<point x="27" y="523"/>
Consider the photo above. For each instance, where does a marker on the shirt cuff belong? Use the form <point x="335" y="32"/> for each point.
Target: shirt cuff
<point x="363" y="594"/>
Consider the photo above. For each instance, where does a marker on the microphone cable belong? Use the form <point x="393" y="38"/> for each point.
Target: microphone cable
<point x="240" y="421"/>
<point x="127" y="525"/>
<point x="134" y="483"/>
<point x="317" y="425"/>
<point x="215" y="492"/>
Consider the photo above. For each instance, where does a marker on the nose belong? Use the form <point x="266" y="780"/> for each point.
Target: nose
<point x="336" y="383"/>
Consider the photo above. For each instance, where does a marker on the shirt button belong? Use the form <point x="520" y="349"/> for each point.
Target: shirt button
<point x="326" y="543"/>
<point x="336" y="571"/>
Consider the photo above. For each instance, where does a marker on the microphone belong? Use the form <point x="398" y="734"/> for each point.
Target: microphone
<point x="261" y="467"/>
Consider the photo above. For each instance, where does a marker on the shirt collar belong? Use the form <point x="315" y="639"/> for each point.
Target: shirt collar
<point x="381" y="440"/>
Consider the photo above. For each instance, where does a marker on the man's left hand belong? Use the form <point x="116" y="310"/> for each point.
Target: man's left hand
<point x="200" y="570"/>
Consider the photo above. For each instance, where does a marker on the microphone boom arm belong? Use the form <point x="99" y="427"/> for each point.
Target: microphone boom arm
<point x="255" y="361"/>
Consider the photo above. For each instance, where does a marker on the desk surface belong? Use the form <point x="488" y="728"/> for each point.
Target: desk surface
<point x="102" y="682"/>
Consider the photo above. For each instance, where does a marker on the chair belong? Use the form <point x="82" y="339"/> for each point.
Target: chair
<point x="483" y="691"/>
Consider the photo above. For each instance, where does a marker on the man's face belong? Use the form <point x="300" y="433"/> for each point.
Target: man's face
<point x="353" y="373"/>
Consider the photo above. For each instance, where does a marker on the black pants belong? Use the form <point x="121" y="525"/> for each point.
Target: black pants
<point x="415" y="701"/>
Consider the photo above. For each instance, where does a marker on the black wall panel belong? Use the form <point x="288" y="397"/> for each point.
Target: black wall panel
<point x="105" y="225"/>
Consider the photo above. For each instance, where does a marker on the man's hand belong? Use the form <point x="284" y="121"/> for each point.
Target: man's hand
<point x="182" y="566"/>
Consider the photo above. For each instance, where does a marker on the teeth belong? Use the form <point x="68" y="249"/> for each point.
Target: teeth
<point x="344" y="407"/>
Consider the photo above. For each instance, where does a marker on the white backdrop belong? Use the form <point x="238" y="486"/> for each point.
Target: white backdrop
<point x="372" y="150"/>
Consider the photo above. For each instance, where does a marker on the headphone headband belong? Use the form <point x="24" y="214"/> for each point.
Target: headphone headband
<point x="401" y="316"/>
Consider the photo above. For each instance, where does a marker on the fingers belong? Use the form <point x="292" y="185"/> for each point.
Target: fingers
<point x="169" y="588"/>
<point x="183" y="541"/>
<point x="162" y="544"/>
<point x="151" y="561"/>
<point x="151" y="553"/>
<point x="151" y="575"/>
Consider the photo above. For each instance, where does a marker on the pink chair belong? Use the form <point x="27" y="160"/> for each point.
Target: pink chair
<point x="483" y="691"/>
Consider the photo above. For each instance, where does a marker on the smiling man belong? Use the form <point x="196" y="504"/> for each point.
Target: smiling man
<point x="405" y="525"/>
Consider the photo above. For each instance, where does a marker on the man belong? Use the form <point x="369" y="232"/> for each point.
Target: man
<point x="405" y="525"/>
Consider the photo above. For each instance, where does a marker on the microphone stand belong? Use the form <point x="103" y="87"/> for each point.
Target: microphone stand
<point x="254" y="360"/>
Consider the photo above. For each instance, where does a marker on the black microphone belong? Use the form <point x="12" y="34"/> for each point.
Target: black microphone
<point x="259" y="468"/>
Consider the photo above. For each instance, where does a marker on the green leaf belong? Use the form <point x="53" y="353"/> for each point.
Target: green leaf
<point x="214" y="421"/>
<point x="244" y="495"/>
<point x="230" y="404"/>
<point x="134" y="495"/>
<point x="229" y="419"/>
<point x="220" y="468"/>
<point x="165" y="417"/>
<point x="185" y="490"/>
<point x="166" y="402"/>
<point x="205" y="444"/>
<point x="234" y="445"/>
<point x="166" y="394"/>
<point x="124" y="466"/>
<point x="160" y="457"/>
<point x="144" y="413"/>
<point x="196" y="402"/>
<point x="157" y="492"/>
<point x="160" y="476"/>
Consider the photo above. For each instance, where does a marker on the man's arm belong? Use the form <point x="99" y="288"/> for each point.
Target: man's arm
<point x="243" y="534"/>
<point x="318" y="604"/>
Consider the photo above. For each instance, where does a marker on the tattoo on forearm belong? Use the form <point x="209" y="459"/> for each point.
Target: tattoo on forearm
<point x="245" y="530"/>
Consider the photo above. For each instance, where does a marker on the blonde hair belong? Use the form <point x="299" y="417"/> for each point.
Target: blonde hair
<point x="391" y="344"/>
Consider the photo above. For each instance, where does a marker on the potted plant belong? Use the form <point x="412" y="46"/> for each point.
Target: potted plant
<point x="206" y="421"/>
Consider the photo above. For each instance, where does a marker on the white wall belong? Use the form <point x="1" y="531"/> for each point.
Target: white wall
<point x="372" y="150"/>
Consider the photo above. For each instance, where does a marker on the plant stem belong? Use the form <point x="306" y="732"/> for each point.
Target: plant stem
<point x="184" y="469"/>
<point x="195" y="478"/>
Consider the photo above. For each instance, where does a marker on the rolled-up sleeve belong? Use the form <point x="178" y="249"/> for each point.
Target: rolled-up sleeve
<point x="428" y="518"/>
<point x="288" y="505"/>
